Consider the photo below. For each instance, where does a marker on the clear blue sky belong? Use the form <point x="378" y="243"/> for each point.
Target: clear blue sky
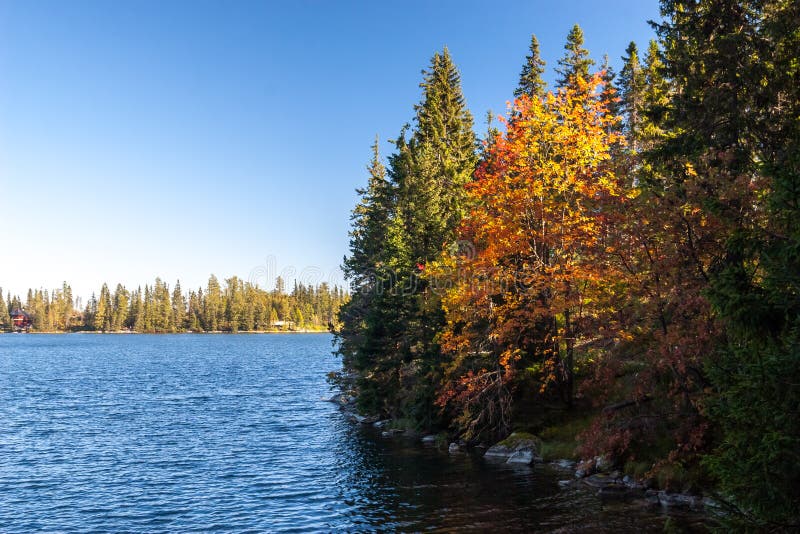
<point x="178" y="139"/>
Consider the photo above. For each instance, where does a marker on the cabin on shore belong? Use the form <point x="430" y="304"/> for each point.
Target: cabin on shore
<point x="283" y="325"/>
<point x="21" y="320"/>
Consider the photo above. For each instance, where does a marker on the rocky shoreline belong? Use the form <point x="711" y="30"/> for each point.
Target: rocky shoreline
<point x="521" y="449"/>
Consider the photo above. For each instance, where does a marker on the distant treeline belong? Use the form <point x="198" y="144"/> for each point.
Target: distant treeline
<point x="233" y="307"/>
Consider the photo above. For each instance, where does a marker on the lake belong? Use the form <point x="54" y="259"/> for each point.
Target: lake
<point x="166" y="433"/>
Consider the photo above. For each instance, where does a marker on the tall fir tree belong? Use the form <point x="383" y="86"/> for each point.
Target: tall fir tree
<point x="5" y="317"/>
<point x="632" y="86"/>
<point x="576" y="61"/>
<point x="531" y="82"/>
<point x="388" y="337"/>
<point x="178" y="308"/>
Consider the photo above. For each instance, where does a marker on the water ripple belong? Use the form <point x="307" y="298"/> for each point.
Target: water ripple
<point x="227" y="433"/>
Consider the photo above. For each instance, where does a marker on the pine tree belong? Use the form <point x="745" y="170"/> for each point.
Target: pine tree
<point x="178" y="308"/>
<point x="609" y="96"/>
<point x="5" y="317"/>
<point x="576" y="61"/>
<point x="632" y="84"/>
<point x="530" y="79"/>
<point x="121" y="303"/>
<point x="212" y="309"/>
<point x="389" y="326"/>
<point x="104" y="311"/>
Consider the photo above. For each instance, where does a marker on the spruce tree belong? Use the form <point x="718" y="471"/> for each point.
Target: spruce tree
<point x="609" y="95"/>
<point x="178" y="308"/>
<point x="103" y="313"/>
<point x="121" y="303"/>
<point x="530" y="79"/>
<point x="5" y="317"/>
<point x="632" y="83"/>
<point x="387" y="335"/>
<point x="576" y="61"/>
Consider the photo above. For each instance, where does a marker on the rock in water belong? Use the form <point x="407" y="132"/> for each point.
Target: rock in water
<point x="454" y="448"/>
<point x="515" y="449"/>
<point x="522" y="456"/>
<point x="499" y="451"/>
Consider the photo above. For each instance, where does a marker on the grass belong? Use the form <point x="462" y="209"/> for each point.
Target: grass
<point x="558" y="440"/>
<point x="515" y="438"/>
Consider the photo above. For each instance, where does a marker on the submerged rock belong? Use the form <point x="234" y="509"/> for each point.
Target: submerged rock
<point x="454" y="448"/>
<point x="428" y="439"/>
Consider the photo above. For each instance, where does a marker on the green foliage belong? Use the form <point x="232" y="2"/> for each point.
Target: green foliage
<point x="239" y="307"/>
<point x="575" y="63"/>
<point x="406" y="214"/>
<point x="5" y="317"/>
<point x="530" y="79"/>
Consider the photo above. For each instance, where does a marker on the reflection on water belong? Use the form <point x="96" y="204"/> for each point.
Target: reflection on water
<point x="165" y="433"/>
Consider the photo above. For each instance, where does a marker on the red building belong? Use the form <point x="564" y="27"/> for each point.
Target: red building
<point x="21" y="320"/>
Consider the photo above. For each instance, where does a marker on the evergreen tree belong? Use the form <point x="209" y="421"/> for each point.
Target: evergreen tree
<point x="213" y="306"/>
<point x="530" y="79"/>
<point x="121" y="303"/>
<point x="389" y="326"/>
<point x="162" y="307"/>
<point x="576" y="61"/>
<point x="632" y="84"/>
<point x="178" y="308"/>
<point x="104" y="311"/>
<point x="5" y="317"/>
<point x="609" y="95"/>
<point x="731" y="156"/>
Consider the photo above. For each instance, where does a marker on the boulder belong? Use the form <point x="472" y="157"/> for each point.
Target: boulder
<point x="515" y="449"/>
<point x="499" y="451"/>
<point x="454" y="448"/>
<point x="428" y="439"/>
<point x="522" y="456"/>
<point x="381" y="424"/>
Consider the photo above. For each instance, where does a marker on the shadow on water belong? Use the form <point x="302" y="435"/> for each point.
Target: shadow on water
<point x="397" y="483"/>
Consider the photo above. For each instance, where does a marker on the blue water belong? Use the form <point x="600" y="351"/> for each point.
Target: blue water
<point x="137" y="433"/>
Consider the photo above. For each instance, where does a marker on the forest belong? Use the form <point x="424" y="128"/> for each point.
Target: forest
<point x="236" y="306"/>
<point x="615" y="262"/>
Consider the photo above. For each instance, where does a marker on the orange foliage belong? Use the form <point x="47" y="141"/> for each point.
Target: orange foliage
<point x="543" y="203"/>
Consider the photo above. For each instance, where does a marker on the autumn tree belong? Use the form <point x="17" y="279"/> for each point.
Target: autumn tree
<point x="521" y="297"/>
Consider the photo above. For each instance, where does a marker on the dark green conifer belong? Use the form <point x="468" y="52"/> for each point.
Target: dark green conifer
<point x="530" y="79"/>
<point x="576" y="61"/>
